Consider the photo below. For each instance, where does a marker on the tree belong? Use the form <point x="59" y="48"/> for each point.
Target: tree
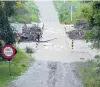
<point x="6" y="10"/>
<point x="87" y="12"/>
<point x="93" y="17"/>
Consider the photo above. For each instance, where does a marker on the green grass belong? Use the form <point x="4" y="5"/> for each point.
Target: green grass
<point x="26" y="13"/>
<point x="18" y="65"/>
<point x="87" y="74"/>
<point x="64" y="13"/>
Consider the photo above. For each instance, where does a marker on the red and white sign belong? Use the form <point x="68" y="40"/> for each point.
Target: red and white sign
<point x="8" y="51"/>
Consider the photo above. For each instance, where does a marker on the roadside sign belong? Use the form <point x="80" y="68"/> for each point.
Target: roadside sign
<point x="72" y="8"/>
<point x="8" y="51"/>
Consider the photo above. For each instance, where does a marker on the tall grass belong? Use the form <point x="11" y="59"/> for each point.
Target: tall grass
<point x="88" y="74"/>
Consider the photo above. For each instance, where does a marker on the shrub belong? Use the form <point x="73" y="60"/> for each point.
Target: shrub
<point x="29" y="50"/>
<point x="23" y="65"/>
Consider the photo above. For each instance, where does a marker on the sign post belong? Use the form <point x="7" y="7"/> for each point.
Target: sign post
<point x="71" y="8"/>
<point x="8" y="52"/>
<point x="9" y="69"/>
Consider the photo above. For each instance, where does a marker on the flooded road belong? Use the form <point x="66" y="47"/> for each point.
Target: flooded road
<point x="52" y="67"/>
<point x="48" y="74"/>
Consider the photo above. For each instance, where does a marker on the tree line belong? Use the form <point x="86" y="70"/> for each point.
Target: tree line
<point x="92" y="14"/>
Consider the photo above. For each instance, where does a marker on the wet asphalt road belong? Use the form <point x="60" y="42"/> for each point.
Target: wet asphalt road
<point x="48" y="74"/>
<point x="52" y="67"/>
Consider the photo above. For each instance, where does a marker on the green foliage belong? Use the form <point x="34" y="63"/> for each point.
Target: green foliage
<point x="97" y="19"/>
<point x="96" y="5"/>
<point x="21" y="19"/>
<point x="35" y="18"/>
<point x="92" y="14"/>
<point x="87" y="12"/>
<point x="9" y="7"/>
<point x="88" y="74"/>
<point x="88" y="35"/>
<point x="64" y="13"/>
<point x="26" y="13"/>
<point x="6" y="33"/>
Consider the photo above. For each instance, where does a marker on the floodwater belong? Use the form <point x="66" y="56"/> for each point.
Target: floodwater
<point x="48" y="74"/>
<point x="52" y="67"/>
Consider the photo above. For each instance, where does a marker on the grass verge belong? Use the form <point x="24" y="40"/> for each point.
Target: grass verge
<point x="18" y="65"/>
<point x="88" y="73"/>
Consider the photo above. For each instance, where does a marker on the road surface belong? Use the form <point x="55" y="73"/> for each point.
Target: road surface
<point x="52" y="67"/>
<point x="58" y="49"/>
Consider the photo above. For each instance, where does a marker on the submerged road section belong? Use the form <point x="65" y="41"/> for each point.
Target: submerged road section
<point x="48" y="74"/>
<point x="52" y="67"/>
